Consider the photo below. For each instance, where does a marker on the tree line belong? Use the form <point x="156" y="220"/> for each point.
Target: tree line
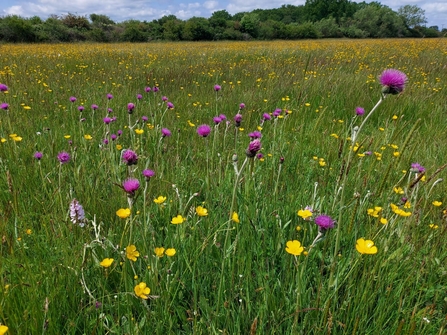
<point x="314" y="19"/>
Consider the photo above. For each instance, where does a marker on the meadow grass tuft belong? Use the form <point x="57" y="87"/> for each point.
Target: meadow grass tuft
<point x="223" y="188"/>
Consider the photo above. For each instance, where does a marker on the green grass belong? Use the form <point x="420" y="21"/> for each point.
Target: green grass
<point x="225" y="277"/>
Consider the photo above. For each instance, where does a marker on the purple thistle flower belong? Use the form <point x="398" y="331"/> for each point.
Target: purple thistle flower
<point x="130" y="157"/>
<point x="130" y="107"/>
<point x="277" y="112"/>
<point x="105" y="141"/>
<point x="241" y="105"/>
<point x="119" y="132"/>
<point x="109" y="110"/>
<point x="147" y="89"/>
<point x="417" y="168"/>
<point x="217" y="88"/>
<point x="4" y="106"/>
<point x="109" y="96"/>
<point x="155" y="89"/>
<point x="253" y="148"/>
<point x="359" y="111"/>
<point x="164" y="98"/>
<point x="148" y="174"/>
<point x="107" y="120"/>
<point x="238" y="119"/>
<point x="113" y="137"/>
<point x="114" y="119"/>
<point x="259" y="156"/>
<point x="254" y="135"/>
<point x="223" y="117"/>
<point x="63" y="157"/>
<point x="73" y="99"/>
<point x="217" y="120"/>
<point x="266" y="117"/>
<point x="38" y="155"/>
<point x="324" y="222"/>
<point x="77" y="215"/>
<point x="3" y="88"/>
<point x="393" y="81"/>
<point x="144" y="118"/>
<point x="81" y="108"/>
<point x="165" y="132"/>
<point x="95" y="107"/>
<point x="139" y="96"/>
<point x="170" y="105"/>
<point x="131" y="185"/>
<point x="203" y="130"/>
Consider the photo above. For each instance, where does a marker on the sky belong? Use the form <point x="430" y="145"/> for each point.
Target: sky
<point x="148" y="10"/>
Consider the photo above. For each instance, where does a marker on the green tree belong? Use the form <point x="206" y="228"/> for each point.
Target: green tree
<point x="412" y="15"/>
<point x="197" y="29"/>
<point x="250" y="24"/>
<point x="17" y="29"/>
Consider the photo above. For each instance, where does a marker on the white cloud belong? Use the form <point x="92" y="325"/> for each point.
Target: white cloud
<point x="210" y="5"/>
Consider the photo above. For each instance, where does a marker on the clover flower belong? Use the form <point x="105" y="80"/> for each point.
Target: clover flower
<point x="393" y="81"/>
<point x="77" y="215"/>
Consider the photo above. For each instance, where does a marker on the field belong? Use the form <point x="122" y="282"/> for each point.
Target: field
<point x="223" y="188"/>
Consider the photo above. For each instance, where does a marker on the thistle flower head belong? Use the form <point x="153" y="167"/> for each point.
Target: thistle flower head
<point x="238" y="119"/>
<point x="94" y="107"/>
<point x="241" y="105"/>
<point x="165" y="132"/>
<point x="393" y="81"/>
<point x="63" y="157"/>
<point x="359" y="111"/>
<point x="81" y="108"/>
<point x="130" y="107"/>
<point x="3" y="88"/>
<point x="417" y="168"/>
<point x="324" y="222"/>
<point x="217" y="88"/>
<point x="131" y="185"/>
<point x="148" y="174"/>
<point x="277" y="112"/>
<point x="72" y="99"/>
<point x="253" y="148"/>
<point x="107" y="120"/>
<point x="204" y="130"/>
<point x="38" y="155"/>
<point x="170" y="105"/>
<point x="254" y="135"/>
<point x="139" y="96"/>
<point x="147" y="89"/>
<point x="109" y="96"/>
<point x="130" y="157"/>
<point x="266" y="117"/>
<point x="217" y="120"/>
<point x="4" y="106"/>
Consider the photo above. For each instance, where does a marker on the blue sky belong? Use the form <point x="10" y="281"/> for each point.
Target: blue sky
<point x="120" y="10"/>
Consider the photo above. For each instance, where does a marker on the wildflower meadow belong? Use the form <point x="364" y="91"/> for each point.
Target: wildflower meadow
<point x="224" y="188"/>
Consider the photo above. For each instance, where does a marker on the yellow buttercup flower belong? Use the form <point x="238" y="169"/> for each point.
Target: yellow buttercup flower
<point x="88" y="137"/>
<point x="132" y="253"/>
<point x="235" y="217"/>
<point x="201" y="211"/>
<point x="366" y="246"/>
<point x="161" y="199"/>
<point x="170" y="252"/>
<point x="123" y="213"/>
<point x="3" y="329"/>
<point x="159" y="252"/>
<point x="119" y="147"/>
<point x="178" y="219"/>
<point x="139" y="131"/>
<point x="67" y="136"/>
<point x="141" y="290"/>
<point x="294" y="247"/>
<point x="191" y="124"/>
<point x="437" y="203"/>
<point x="383" y="221"/>
<point x="306" y="214"/>
<point x="106" y="262"/>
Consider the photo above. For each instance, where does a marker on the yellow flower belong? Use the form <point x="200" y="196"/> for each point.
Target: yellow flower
<point x="88" y="137"/>
<point x="235" y="217"/>
<point x="132" y="253"/>
<point x="407" y="204"/>
<point x="27" y="107"/>
<point x="305" y="214"/>
<point x="123" y="213"/>
<point x="106" y="262"/>
<point x="161" y="199"/>
<point x="437" y="203"/>
<point x="191" y="124"/>
<point x="433" y="226"/>
<point x="141" y="290"/>
<point x="119" y="147"/>
<point x="67" y="136"/>
<point x="3" y="140"/>
<point x="159" y="251"/>
<point x="178" y="219"/>
<point x="3" y="329"/>
<point x="334" y="135"/>
<point x="394" y="117"/>
<point x="201" y="211"/>
<point x="366" y="246"/>
<point x="29" y="231"/>
<point x="383" y="221"/>
<point x="170" y="252"/>
<point x="17" y="138"/>
<point x="398" y="190"/>
<point x="139" y="131"/>
<point x="294" y="247"/>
